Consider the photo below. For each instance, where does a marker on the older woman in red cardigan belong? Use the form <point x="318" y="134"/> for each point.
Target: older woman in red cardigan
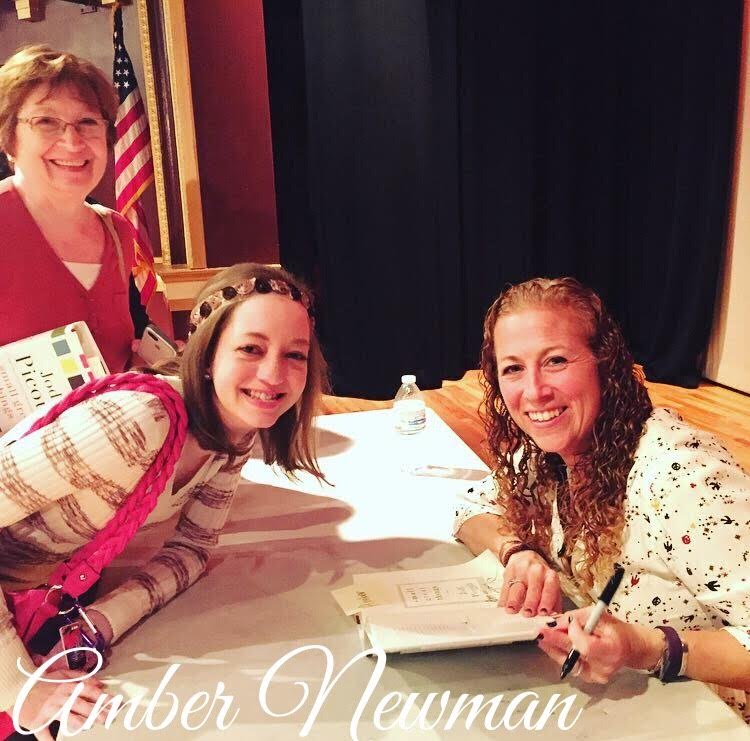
<point x="61" y="259"/>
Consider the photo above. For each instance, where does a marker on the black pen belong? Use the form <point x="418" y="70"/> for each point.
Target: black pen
<point x="596" y="613"/>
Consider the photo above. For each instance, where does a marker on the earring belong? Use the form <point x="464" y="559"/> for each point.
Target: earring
<point x="207" y="376"/>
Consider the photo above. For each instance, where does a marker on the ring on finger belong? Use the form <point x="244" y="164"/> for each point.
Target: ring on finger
<point x="514" y="581"/>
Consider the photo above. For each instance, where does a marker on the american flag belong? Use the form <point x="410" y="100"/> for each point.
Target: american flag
<point x="134" y="168"/>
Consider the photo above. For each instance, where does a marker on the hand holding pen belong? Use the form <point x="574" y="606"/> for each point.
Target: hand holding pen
<point x="602" y="604"/>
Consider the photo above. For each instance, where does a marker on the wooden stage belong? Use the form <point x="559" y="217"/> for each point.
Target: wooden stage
<point x="720" y="410"/>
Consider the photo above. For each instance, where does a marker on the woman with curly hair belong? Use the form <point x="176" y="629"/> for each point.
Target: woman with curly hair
<point x="590" y="476"/>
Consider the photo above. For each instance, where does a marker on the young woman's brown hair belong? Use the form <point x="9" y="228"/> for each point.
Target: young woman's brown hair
<point x="42" y="65"/>
<point x="289" y="443"/>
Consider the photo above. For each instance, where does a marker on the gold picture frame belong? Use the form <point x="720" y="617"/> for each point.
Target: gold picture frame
<point x="168" y="97"/>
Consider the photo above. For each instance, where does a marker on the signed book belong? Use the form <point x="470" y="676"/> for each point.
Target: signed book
<point x="44" y="368"/>
<point x="435" y="609"/>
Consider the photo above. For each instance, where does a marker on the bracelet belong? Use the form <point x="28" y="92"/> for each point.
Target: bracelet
<point x="673" y="661"/>
<point x="510" y="548"/>
<point x="654" y="670"/>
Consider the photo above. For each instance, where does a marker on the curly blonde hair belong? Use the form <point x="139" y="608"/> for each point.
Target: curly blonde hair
<point x="591" y="510"/>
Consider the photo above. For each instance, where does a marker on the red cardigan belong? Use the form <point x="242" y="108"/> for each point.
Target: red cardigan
<point x="38" y="293"/>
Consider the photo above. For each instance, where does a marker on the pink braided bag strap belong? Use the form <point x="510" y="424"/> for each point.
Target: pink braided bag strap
<point x="82" y="570"/>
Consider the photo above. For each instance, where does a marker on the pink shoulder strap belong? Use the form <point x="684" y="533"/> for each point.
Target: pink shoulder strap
<point x="83" y="569"/>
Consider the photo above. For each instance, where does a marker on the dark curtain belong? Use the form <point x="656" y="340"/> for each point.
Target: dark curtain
<point x="427" y="153"/>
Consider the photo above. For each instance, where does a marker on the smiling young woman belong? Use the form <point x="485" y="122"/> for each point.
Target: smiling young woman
<point x="260" y="365"/>
<point x="251" y="372"/>
<point x="288" y="442"/>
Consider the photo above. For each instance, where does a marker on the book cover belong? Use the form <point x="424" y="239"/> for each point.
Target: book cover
<point x="42" y="369"/>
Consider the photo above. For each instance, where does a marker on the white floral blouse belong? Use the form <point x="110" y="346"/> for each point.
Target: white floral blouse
<point x="686" y="543"/>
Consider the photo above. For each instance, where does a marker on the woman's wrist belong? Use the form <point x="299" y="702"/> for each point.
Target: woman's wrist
<point x="646" y="646"/>
<point x="102" y="624"/>
<point x="509" y="548"/>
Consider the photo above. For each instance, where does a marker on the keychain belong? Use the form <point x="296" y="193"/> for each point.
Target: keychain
<point x="73" y="636"/>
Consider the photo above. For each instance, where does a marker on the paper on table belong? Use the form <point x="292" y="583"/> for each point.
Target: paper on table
<point x="349" y="600"/>
<point x="476" y="581"/>
<point x="435" y="609"/>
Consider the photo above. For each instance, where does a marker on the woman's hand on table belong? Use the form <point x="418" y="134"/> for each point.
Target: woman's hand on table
<point x="46" y="698"/>
<point x="530" y="586"/>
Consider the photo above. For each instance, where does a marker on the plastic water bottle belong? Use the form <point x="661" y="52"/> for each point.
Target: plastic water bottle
<point x="408" y="407"/>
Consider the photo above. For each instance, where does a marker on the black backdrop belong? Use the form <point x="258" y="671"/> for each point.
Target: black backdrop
<point x="428" y="152"/>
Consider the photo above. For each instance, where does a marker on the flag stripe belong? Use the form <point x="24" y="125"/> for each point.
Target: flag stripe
<point x="134" y="191"/>
<point x="138" y="220"/>
<point x="138" y="149"/>
<point x="130" y="110"/>
<point x="130" y="169"/>
<point x="130" y="136"/>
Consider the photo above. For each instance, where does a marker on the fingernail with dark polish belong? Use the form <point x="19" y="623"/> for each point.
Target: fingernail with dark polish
<point x="540" y="637"/>
<point x="552" y="624"/>
<point x="543" y="611"/>
<point x="570" y="618"/>
<point x="527" y="612"/>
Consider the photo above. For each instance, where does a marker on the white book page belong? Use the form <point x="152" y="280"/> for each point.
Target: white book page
<point x="437" y="630"/>
<point x="478" y="581"/>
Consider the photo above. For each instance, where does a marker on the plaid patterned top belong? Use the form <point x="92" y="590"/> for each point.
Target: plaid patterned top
<point x="62" y="484"/>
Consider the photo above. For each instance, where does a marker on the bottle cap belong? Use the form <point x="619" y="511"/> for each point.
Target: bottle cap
<point x="408" y="378"/>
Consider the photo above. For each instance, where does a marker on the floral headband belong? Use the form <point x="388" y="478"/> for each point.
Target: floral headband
<point x="245" y="288"/>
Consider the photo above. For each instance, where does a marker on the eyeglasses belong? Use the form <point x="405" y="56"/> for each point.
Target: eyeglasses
<point x="49" y="126"/>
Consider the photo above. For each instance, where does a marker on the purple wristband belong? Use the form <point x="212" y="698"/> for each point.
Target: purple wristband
<point x="670" y="664"/>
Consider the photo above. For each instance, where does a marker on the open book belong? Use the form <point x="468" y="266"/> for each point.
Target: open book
<point x="44" y="368"/>
<point x="435" y="609"/>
